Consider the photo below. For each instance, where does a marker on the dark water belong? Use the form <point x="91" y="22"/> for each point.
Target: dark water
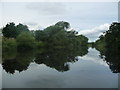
<point x="87" y="71"/>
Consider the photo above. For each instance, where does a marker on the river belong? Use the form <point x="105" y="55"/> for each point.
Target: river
<point x="89" y="71"/>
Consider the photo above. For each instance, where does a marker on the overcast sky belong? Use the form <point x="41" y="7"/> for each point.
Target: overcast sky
<point x="88" y="18"/>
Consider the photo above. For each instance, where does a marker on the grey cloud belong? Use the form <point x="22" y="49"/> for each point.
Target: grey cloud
<point x="95" y="32"/>
<point x="48" y="8"/>
<point x="92" y="37"/>
<point x="46" y="81"/>
<point x="33" y="25"/>
<point x="30" y="23"/>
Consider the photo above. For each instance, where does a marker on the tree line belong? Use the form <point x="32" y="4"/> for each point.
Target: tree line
<point x="19" y="37"/>
<point x="109" y="46"/>
<point x="57" y="38"/>
<point x="53" y="46"/>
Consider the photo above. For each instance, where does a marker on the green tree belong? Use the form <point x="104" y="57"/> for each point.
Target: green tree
<point x="20" y="62"/>
<point x="40" y="35"/>
<point x="100" y="44"/>
<point x="109" y="47"/>
<point x="25" y="41"/>
<point x="112" y="54"/>
<point x="9" y="44"/>
<point x="64" y="25"/>
<point x="22" y="28"/>
<point x="10" y="31"/>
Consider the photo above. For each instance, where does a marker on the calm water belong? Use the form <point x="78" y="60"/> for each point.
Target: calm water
<point x="88" y="71"/>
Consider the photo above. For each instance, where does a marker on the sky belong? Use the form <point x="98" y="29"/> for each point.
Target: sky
<point x="87" y="18"/>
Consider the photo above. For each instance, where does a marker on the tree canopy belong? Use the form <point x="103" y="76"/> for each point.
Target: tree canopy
<point x="12" y="31"/>
<point x="109" y="47"/>
<point x="54" y="46"/>
<point x="64" y="25"/>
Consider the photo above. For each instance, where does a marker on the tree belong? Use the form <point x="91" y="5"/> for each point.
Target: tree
<point x="100" y="44"/>
<point x="59" y="47"/>
<point x="25" y="41"/>
<point x="22" y="28"/>
<point x="112" y="40"/>
<point x="50" y="31"/>
<point x="64" y="25"/>
<point x="20" y="62"/>
<point x="109" y="47"/>
<point x="112" y="36"/>
<point x="10" y="31"/>
<point x="8" y="44"/>
<point x="40" y="35"/>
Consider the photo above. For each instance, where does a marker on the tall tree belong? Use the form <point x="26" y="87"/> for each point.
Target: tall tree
<point x="109" y="47"/>
<point x="112" y="40"/>
<point x="64" y="25"/>
<point x="20" y="28"/>
<point x="25" y="41"/>
<point x="10" y="31"/>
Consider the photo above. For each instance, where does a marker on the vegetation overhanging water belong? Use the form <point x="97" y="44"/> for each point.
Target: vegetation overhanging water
<point x="55" y="46"/>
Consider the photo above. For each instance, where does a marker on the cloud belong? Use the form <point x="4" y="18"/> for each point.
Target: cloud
<point x="95" y="32"/>
<point x="59" y="0"/>
<point x="100" y="28"/>
<point x="30" y="23"/>
<point x="93" y="55"/>
<point x="48" y="8"/>
<point x="33" y="25"/>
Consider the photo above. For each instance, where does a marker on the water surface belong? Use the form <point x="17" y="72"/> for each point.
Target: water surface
<point x="88" y="71"/>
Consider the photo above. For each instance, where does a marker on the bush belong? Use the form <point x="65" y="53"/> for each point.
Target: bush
<point x="25" y="41"/>
<point x="9" y="45"/>
<point x="40" y="45"/>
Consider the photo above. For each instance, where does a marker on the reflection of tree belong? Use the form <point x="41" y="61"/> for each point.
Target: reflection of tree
<point x="19" y="63"/>
<point x="52" y="57"/>
<point x="59" y="58"/>
<point x="60" y="46"/>
<point x="112" y="59"/>
<point x="112" y="47"/>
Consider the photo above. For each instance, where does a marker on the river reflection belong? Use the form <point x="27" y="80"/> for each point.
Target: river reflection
<point x="18" y="61"/>
<point x="48" y="69"/>
<point x="57" y="59"/>
<point x="112" y="58"/>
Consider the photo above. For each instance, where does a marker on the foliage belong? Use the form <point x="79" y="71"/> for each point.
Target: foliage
<point x="100" y="45"/>
<point x="9" y="45"/>
<point x="12" y="31"/>
<point x="64" y="25"/>
<point x="109" y="46"/>
<point x="40" y="35"/>
<point x="112" y="39"/>
<point x="56" y="36"/>
<point x="19" y="62"/>
<point x="21" y="28"/>
<point x="91" y="44"/>
<point x="25" y="41"/>
<point x="40" y="45"/>
<point x="55" y="47"/>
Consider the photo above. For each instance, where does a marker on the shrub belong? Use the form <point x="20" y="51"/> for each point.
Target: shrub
<point x="25" y="41"/>
<point x="40" y="44"/>
<point x="9" y="45"/>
